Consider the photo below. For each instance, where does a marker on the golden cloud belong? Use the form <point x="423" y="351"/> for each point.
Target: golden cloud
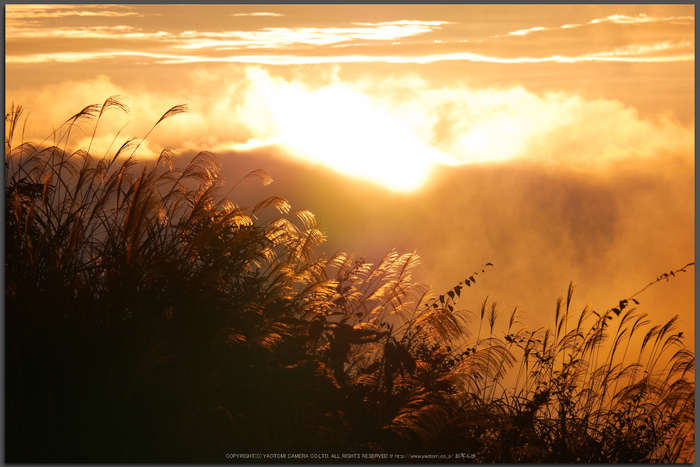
<point x="369" y="128"/>
<point x="258" y="13"/>
<point x="15" y="12"/>
<point x="616" y="19"/>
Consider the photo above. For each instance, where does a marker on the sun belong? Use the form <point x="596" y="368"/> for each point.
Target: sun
<point x="343" y="129"/>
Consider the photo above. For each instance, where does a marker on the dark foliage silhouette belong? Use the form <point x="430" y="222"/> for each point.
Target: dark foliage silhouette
<point x="148" y="320"/>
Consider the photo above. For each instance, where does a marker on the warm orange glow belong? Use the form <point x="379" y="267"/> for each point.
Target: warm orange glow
<point x="342" y="128"/>
<point x="554" y="143"/>
<point x="454" y="106"/>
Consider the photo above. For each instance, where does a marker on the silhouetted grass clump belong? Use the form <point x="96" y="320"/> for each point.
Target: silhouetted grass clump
<point x="149" y="320"/>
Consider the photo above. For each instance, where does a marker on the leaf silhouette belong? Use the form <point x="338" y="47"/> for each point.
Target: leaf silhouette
<point x="175" y="110"/>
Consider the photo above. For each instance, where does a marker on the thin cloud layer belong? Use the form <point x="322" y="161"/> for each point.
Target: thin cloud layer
<point x="641" y="18"/>
<point x="13" y="13"/>
<point x="637" y="53"/>
<point x="616" y="19"/>
<point x="280" y="38"/>
<point x="269" y="37"/>
<point x="283" y="41"/>
<point x="93" y="32"/>
<point x="258" y="13"/>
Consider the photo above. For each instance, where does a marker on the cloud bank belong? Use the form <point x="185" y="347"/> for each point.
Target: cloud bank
<point x="391" y="131"/>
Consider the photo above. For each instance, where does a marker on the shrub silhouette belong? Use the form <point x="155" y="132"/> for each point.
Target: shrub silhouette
<point x="148" y="320"/>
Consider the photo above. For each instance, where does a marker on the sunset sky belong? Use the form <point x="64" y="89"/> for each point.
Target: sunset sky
<point x="556" y="142"/>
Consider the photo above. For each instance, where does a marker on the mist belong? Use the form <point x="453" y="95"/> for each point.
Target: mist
<point x="540" y="226"/>
<point x="551" y="187"/>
